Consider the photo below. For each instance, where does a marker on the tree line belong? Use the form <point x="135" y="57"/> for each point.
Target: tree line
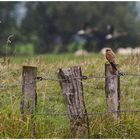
<point x="53" y="26"/>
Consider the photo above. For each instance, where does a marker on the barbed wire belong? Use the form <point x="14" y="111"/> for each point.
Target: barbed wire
<point x="6" y="86"/>
<point x="88" y="77"/>
<point x="131" y="74"/>
<point x="41" y="78"/>
<point x="89" y="114"/>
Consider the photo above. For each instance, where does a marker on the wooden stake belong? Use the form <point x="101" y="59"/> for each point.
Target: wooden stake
<point x="29" y="97"/>
<point x="112" y="90"/>
<point x="72" y="87"/>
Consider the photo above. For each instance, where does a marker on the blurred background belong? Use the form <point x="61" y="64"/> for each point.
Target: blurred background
<point x="65" y="27"/>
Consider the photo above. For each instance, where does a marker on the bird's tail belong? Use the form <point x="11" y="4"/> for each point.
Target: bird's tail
<point x="114" y="68"/>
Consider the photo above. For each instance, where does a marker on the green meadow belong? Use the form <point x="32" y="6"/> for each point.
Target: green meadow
<point x="50" y="97"/>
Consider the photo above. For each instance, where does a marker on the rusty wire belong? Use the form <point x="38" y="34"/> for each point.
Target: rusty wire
<point x="89" y="114"/>
<point x="41" y="78"/>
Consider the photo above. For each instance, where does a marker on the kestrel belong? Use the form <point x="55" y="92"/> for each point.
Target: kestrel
<point x="110" y="56"/>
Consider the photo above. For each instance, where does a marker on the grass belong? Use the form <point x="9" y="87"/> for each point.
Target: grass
<point x="50" y="98"/>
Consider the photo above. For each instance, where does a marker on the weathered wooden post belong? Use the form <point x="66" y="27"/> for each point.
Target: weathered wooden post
<point x="29" y="90"/>
<point x="71" y="84"/>
<point x="112" y="90"/>
<point x="29" y="96"/>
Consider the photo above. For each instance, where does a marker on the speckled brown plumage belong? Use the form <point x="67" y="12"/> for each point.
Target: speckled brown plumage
<point x="110" y="56"/>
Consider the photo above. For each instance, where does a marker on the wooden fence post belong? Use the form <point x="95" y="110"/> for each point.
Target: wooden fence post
<point x="112" y="90"/>
<point x="73" y="98"/>
<point x="29" y="97"/>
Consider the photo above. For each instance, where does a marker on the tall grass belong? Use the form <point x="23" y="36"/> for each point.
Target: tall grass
<point x="50" y="98"/>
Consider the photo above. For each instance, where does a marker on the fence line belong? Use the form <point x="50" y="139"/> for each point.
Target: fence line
<point x="71" y="82"/>
<point x="88" y="77"/>
<point x="5" y="86"/>
<point x="39" y="78"/>
<point x="89" y="114"/>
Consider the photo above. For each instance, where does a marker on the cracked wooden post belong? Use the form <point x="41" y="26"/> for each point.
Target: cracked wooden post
<point x="29" y="96"/>
<point x="112" y="90"/>
<point x="29" y="90"/>
<point x="74" y="101"/>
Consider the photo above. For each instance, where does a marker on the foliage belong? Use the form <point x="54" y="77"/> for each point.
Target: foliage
<point x="24" y="49"/>
<point x="66" y="18"/>
<point x="50" y="24"/>
<point x="7" y="20"/>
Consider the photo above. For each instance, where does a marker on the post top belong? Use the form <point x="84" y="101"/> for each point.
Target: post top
<point x="29" y="67"/>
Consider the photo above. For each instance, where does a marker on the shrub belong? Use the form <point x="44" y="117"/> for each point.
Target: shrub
<point x="27" y="49"/>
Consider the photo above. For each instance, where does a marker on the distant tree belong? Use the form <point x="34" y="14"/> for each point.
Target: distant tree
<point x="46" y="20"/>
<point x="7" y="20"/>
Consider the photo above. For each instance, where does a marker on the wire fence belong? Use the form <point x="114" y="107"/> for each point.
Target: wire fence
<point x="89" y="113"/>
<point x="47" y="78"/>
<point x="86" y="83"/>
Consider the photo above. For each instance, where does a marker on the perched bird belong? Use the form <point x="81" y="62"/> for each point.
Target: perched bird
<point x="110" y="56"/>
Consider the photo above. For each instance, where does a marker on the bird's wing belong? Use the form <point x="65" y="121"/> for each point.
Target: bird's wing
<point x="110" y="56"/>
